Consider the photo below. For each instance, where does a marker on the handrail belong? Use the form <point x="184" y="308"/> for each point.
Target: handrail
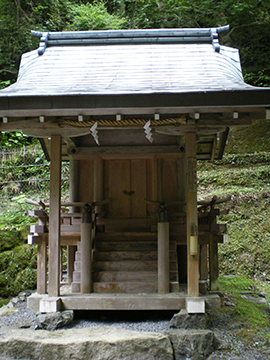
<point x="43" y="205"/>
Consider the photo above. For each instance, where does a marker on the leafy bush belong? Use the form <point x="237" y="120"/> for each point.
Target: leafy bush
<point x="18" y="270"/>
<point x="93" y="17"/>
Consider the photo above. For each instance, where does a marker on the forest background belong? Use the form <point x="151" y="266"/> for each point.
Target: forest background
<point x="243" y="173"/>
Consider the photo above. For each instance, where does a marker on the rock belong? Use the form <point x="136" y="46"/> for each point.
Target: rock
<point x="192" y="344"/>
<point x="183" y="320"/>
<point x="52" y="321"/>
<point x="96" y="343"/>
<point x="255" y="299"/>
<point x="8" y="309"/>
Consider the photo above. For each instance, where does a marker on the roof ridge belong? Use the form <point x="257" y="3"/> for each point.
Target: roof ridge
<point x="128" y="37"/>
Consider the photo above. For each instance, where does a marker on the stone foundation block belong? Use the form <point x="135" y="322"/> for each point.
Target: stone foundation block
<point x="50" y="305"/>
<point x="195" y="305"/>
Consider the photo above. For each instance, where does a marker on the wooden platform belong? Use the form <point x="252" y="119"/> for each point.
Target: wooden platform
<point x="122" y="301"/>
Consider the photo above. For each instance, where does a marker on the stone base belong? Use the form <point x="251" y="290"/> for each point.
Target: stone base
<point x="183" y="320"/>
<point x="195" y="305"/>
<point x="50" y="305"/>
<point x="104" y="343"/>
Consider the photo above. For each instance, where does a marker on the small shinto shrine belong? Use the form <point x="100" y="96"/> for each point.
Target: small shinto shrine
<point x="132" y="111"/>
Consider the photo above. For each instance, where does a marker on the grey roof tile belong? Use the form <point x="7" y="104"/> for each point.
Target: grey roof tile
<point x="125" y="69"/>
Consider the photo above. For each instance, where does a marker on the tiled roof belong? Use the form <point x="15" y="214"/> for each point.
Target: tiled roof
<point x="108" y="66"/>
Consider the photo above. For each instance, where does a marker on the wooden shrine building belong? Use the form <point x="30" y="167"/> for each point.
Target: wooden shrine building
<point x="133" y="111"/>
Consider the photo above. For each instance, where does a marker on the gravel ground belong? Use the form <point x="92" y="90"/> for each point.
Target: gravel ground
<point x="224" y="328"/>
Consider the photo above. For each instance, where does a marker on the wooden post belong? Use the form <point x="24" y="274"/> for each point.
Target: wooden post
<point x="163" y="258"/>
<point x="98" y="180"/>
<point x="203" y="262"/>
<point x="192" y="216"/>
<point x="54" y="222"/>
<point x="42" y="267"/>
<point x="86" y="250"/>
<point x="71" y="250"/>
<point x="163" y="251"/>
<point x="73" y="182"/>
<point x="213" y="265"/>
<point x="73" y="197"/>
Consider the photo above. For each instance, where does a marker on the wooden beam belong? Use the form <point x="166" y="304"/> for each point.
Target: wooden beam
<point x="192" y="216"/>
<point x="127" y="149"/>
<point x="54" y="225"/>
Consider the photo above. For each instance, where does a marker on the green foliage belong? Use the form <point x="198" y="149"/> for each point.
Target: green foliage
<point x="15" y="139"/>
<point x="249" y="20"/>
<point x="242" y="140"/>
<point x="234" y="285"/>
<point x="244" y="174"/>
<point x="93" y="17"/>
<point x="252" y="319"/>
<point x="17" y="270"/>
<point x="3" y="302"/>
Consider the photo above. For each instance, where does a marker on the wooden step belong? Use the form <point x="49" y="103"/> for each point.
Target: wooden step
<point x="108" y="276"/>
<point x="125" y="287"/>
<point x="128" y="255"/>
<point x="125" y="266"/>
<point x="127" y="236"/>
<point x="126" y="263"/>
<point x="129" y="245"/>
<point x="125" y="255"/>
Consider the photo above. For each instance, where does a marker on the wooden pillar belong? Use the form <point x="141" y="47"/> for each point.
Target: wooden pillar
<point x="163" y="258"/>
<point x="54" y="223"/>
<point x="203" y="262"/>
<point x="71" y="250"/>
<point x="86" y="250"/>
<point x="42" y="267"/>
<point x="98" y="181"/>
<point x="192" y="216"/>
<point x="181" y="168"/>
<point x="73" y="182"/>
<point x="213" y="265"/>
<point x="73" y="197"/>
